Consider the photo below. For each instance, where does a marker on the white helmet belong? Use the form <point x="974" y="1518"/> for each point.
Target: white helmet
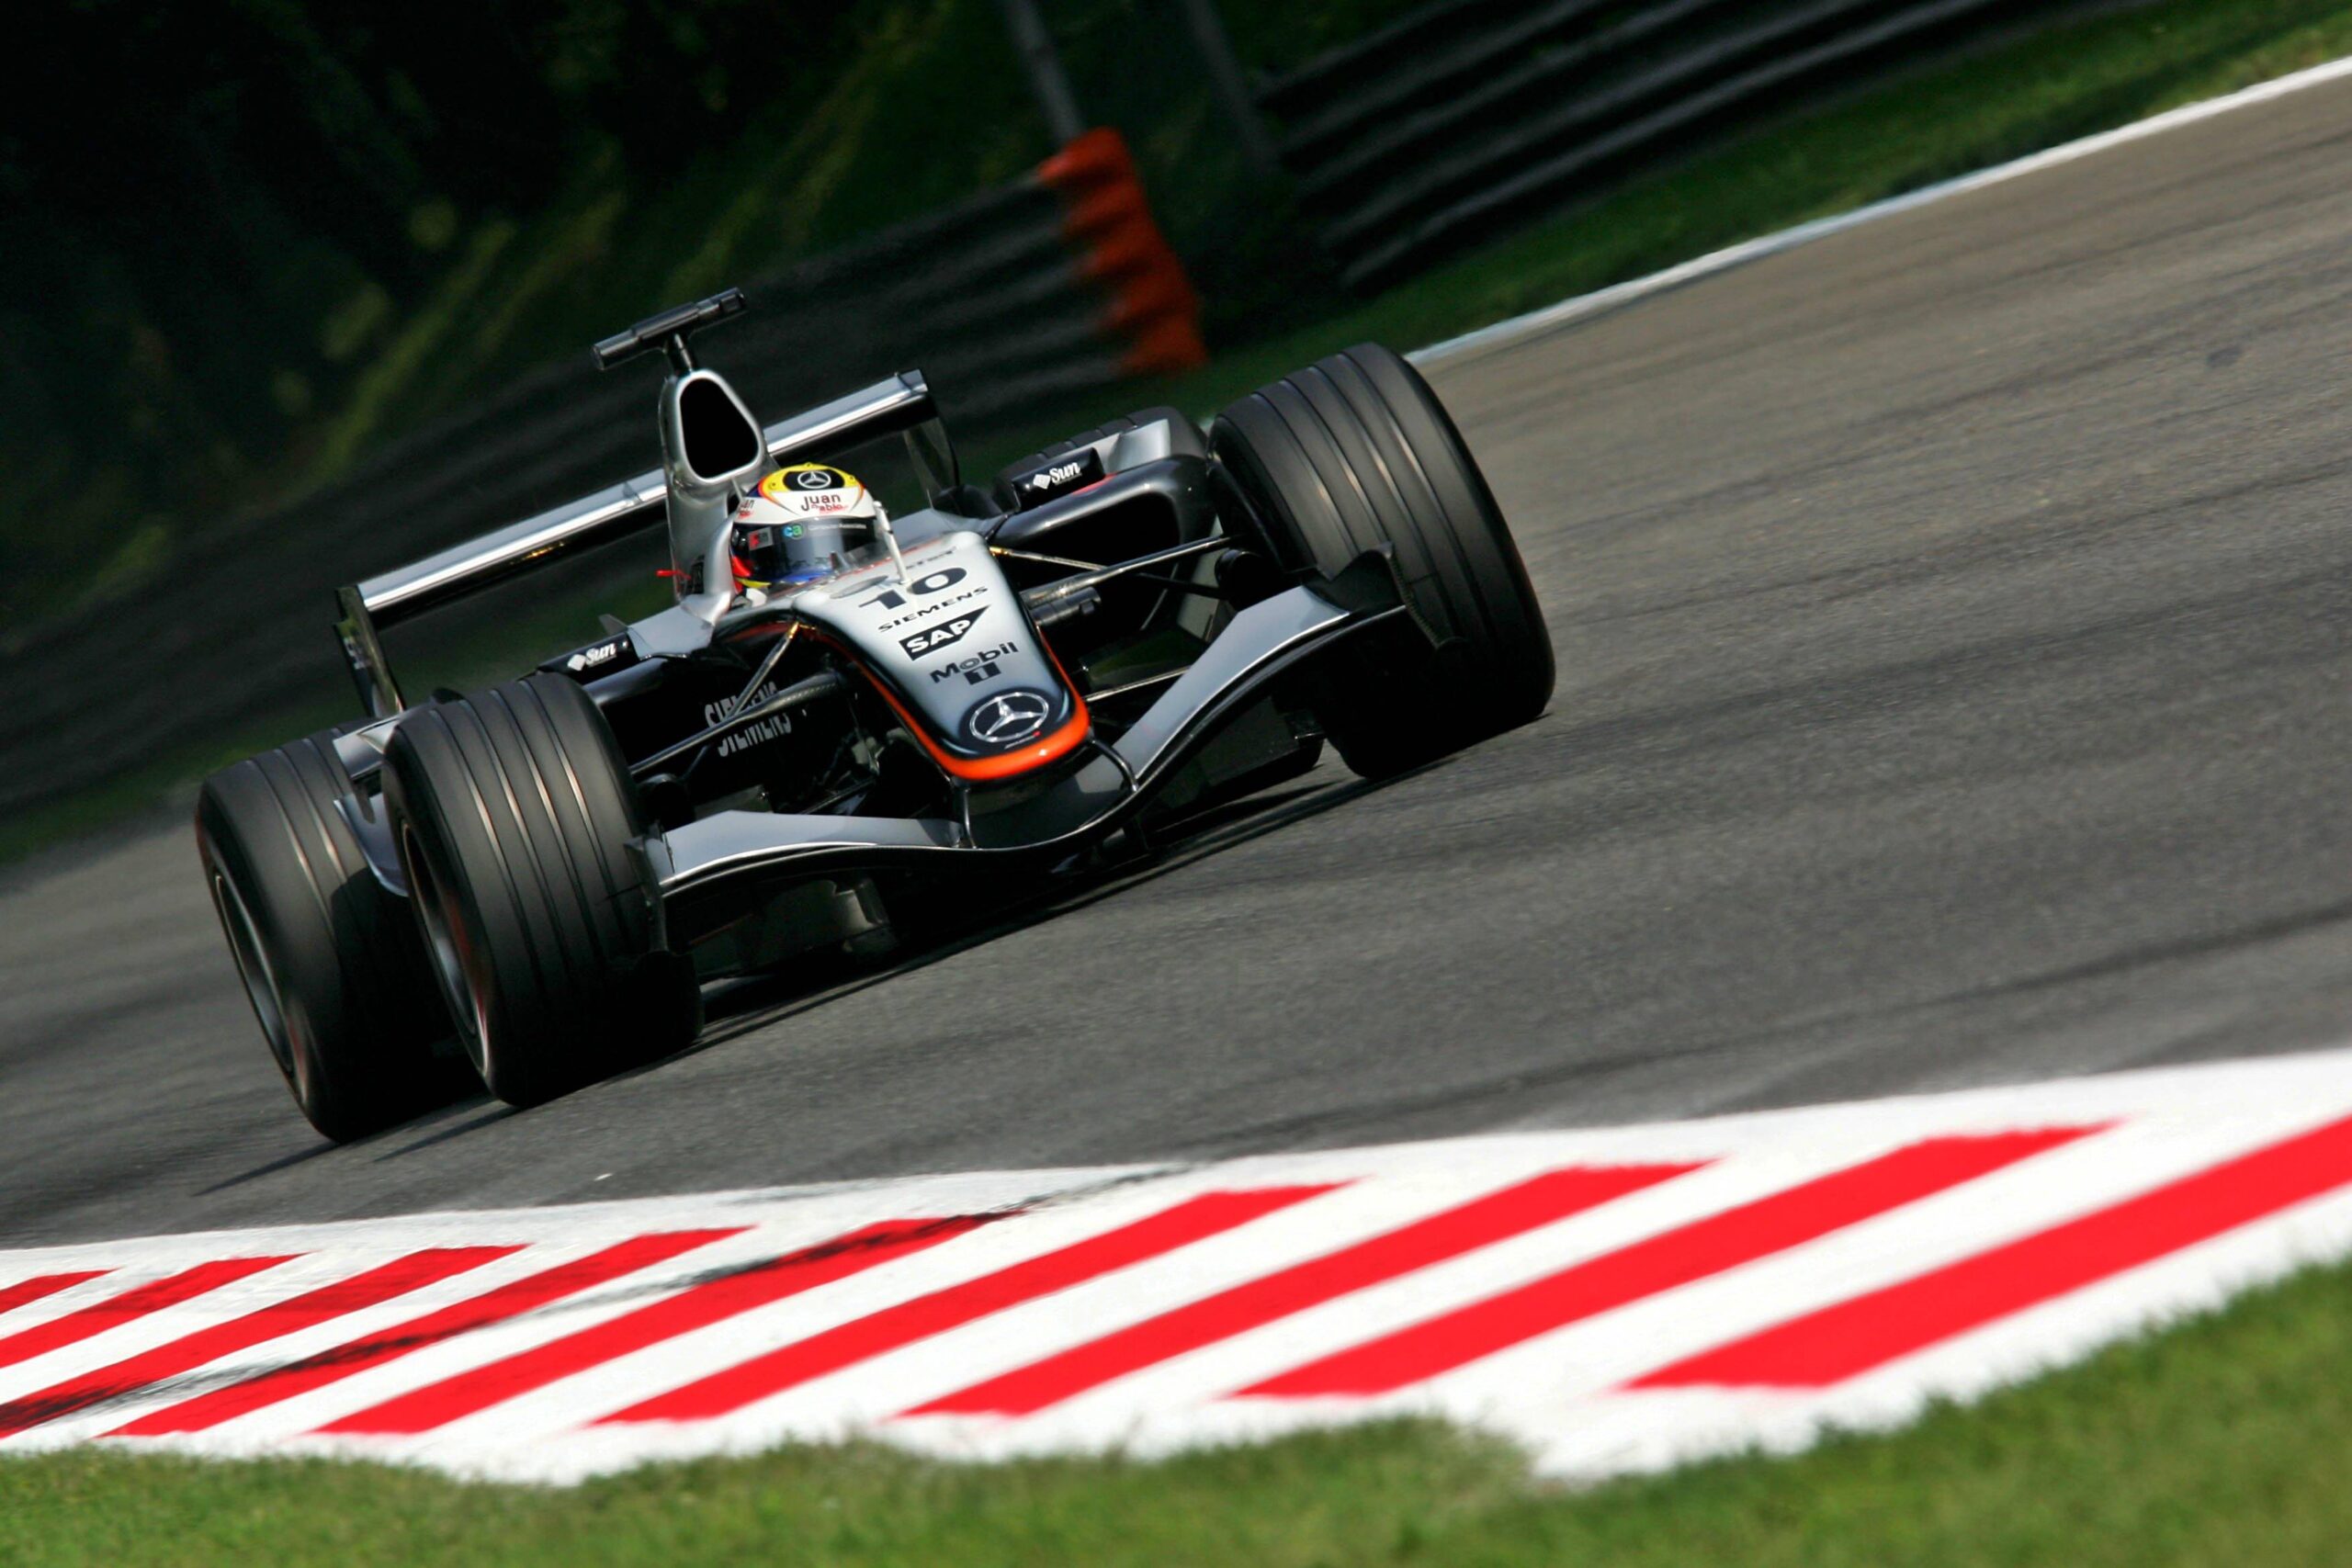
<point x="804" y="523"/>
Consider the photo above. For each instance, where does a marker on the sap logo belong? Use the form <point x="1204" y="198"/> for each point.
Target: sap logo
<point x="979" y="667"/>
<point x="930" y="640"/>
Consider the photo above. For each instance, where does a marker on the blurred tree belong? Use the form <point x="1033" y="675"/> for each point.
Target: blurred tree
<point x="220" y="219"/>
<point x="206" y="206"/>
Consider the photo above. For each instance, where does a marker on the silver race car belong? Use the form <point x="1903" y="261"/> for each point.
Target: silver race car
<point x="850" y="719"/>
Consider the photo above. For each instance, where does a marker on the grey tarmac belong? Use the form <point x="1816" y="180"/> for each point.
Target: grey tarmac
<point x="1955" y="632"/>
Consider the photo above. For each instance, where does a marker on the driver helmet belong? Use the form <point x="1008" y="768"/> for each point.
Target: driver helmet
<point x="804" y="522"/>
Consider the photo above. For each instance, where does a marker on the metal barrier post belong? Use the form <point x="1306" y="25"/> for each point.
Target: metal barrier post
<point x="1207" y="25"/>
<point x="1046" y="77"/>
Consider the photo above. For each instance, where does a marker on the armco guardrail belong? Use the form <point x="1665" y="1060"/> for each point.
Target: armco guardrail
<point x="1011" y="301"/>
<point x="1468" y="115"/>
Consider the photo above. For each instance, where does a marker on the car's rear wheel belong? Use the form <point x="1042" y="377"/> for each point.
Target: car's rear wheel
<point x="514" y="809"/>
<point x="1357" y="453"/>
<point x="328" y="957"/>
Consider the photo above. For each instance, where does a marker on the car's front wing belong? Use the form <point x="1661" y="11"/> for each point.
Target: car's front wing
<point x="707" y="871"/>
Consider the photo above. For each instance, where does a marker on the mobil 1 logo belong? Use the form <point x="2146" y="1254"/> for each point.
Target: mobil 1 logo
<point x="945" y="633"/>
<point x="979" y="667"/>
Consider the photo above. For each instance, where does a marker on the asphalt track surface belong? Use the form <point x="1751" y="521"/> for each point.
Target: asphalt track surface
<point x="1955" y="632"/>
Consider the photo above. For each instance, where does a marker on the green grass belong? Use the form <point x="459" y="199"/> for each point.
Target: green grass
<point x="2223" y="1441"/>
<point x="513" y="287"/>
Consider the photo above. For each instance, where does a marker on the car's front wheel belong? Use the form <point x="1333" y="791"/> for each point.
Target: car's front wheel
<point x="1355" y="453"/>
<point x="514" y="810"/>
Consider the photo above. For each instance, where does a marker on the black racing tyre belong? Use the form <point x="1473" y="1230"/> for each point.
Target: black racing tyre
<point x="330" y="960"/>
<point x="513" y="809"/>
<point x="1357" y="453"/>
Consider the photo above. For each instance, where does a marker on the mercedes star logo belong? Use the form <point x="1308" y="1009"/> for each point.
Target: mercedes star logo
<point x="812" y="478"/>
<point x="1008" y="717"/>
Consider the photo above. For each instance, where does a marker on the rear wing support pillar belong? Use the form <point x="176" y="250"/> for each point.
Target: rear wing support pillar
<point x="370" y="670"/>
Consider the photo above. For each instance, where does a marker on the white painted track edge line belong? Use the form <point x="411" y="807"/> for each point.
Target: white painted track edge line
<point x="1583" y="307"/>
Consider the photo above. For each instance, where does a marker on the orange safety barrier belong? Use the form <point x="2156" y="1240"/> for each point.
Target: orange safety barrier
<point x="1153" y="310"/>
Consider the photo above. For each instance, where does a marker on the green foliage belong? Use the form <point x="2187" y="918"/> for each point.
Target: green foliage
<point x="227" y="226"/>
<point x="241" y="242"/>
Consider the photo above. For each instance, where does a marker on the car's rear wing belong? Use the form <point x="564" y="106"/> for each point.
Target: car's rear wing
<point x="902" y="405"/>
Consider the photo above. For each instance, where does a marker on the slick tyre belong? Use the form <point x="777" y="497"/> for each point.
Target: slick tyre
<point x="514" y="808"/>
<point x="1356" y="453"/>
<point x="330" y="960"/>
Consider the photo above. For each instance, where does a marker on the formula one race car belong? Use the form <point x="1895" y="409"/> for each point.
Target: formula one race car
<point x="847" y="713"/>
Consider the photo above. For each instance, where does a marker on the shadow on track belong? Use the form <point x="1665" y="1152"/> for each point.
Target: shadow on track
<point x="754" y="1003"/>
<point x="741" y="1007"/>
<point x="268" y="1167"/>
